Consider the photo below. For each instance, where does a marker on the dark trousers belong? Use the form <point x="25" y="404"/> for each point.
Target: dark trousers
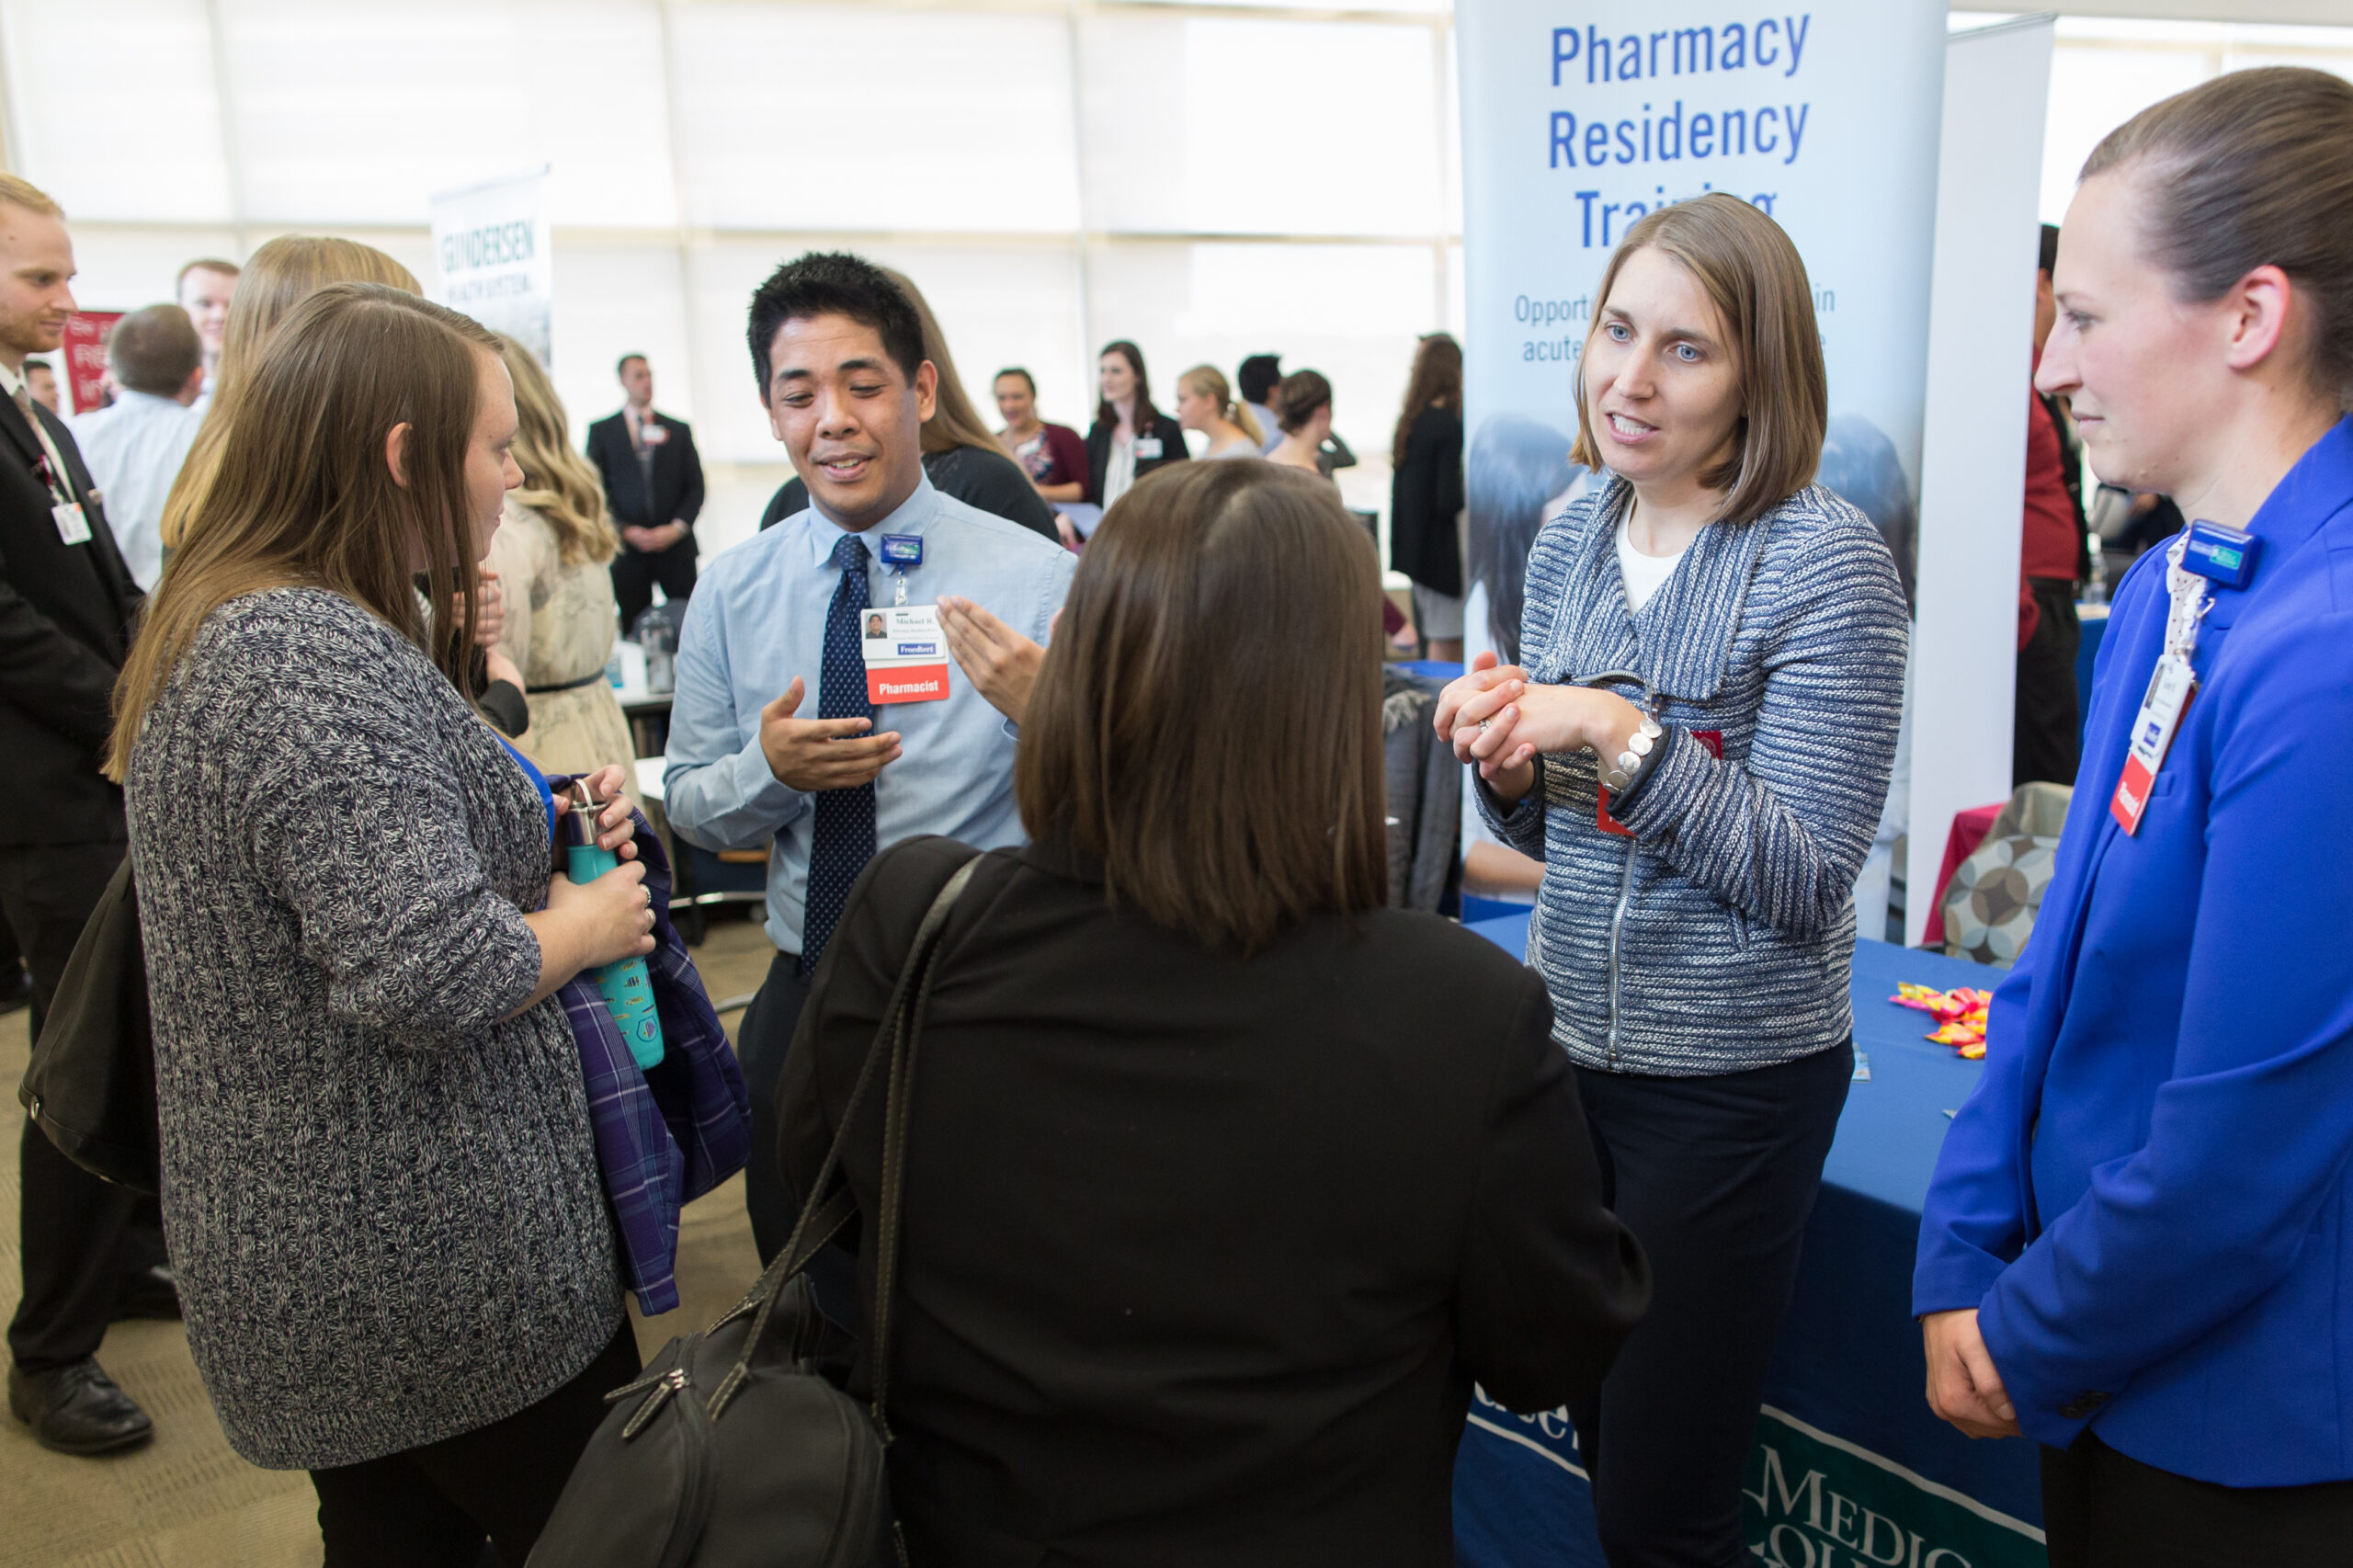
<point x="2046" y="725"/>
<point x="75" y="1226"/>
<point x="635" y="573"/>
<point x="434" y="1505"/>
<point x="1716" y="1177"/>
<point x="2101" y="1509"/>
<point x="760" y="1044"/>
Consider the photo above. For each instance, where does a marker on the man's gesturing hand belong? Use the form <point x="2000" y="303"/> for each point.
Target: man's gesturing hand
<point x="810" y="755"/>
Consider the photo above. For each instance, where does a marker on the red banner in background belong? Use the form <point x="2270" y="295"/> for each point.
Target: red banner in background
<point x="85" y="358"/>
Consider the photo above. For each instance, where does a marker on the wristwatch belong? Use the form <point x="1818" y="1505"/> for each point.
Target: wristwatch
<point x="1642" y="746"/>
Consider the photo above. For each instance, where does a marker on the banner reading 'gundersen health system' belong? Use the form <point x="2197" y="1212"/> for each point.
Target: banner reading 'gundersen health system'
<point x="1578" y="118"/>
<point x="492" y="258"/>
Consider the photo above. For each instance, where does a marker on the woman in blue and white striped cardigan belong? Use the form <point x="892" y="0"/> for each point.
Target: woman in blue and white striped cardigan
<point x="1696" y="741"/>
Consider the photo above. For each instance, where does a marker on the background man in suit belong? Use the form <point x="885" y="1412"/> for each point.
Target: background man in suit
<point x="653" y="483"/>
<point x="66" y="604"/>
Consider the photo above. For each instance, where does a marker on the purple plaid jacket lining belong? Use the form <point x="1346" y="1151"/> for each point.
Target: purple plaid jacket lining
<point x="663" y="1137"/>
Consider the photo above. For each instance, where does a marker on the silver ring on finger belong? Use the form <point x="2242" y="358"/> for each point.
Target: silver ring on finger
<point x="1485" y="723"/>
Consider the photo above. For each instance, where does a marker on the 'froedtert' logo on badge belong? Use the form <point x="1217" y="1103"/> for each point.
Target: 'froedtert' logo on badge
<point x="905" y="656"/>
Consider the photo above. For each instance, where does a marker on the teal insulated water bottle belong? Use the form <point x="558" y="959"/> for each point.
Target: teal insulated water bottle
<point x="629" y="992"/>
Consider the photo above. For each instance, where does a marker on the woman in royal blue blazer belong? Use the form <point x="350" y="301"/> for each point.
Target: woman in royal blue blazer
<point x="2138" y="1248"/>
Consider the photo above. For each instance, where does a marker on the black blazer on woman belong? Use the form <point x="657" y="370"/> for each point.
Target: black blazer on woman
<point x="1098" y="450"/>
<point x="1202" y="1254"/>
<point x="1425" y="493"/>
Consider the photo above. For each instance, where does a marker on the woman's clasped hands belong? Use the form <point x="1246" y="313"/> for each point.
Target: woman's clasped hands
<point x="1498" y="719"/>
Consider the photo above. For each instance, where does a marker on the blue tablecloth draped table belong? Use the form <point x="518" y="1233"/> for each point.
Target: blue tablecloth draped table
<point x="1851" y="1468"/>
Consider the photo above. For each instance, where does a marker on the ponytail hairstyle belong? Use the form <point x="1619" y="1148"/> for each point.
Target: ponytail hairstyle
<point x="1297" y="397"/>
<point x="1209" y="382"/>
<point x="304" y="497"/>
<point x="1436" y="383"/>
<point x="2253" y="168"/>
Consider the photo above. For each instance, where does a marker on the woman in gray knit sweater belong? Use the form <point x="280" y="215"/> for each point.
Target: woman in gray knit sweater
<point x="378" y="1181"/>
<point x="1696" y="741"/>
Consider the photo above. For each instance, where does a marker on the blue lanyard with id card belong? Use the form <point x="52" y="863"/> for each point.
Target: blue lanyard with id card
<point x="2204" y="556"/>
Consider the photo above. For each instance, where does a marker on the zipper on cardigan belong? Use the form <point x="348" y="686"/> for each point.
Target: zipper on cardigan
<point x="1625" y="891"/>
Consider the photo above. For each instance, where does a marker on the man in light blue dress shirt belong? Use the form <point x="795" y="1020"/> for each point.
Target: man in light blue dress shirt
<point x="773" y="738"/>
<point x="135" y="447"/>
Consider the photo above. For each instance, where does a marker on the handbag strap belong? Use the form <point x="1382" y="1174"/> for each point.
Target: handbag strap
<point x="823" y="1216"/>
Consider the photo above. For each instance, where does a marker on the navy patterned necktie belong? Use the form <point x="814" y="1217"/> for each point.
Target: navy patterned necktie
<point x="843" y="839"/>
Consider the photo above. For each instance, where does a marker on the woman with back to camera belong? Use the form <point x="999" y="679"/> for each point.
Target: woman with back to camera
<point x="1205" y="404"/>
<point x="1224" y="1180"/>
<point x="380" y="1184"/>
<point x="2136" y="1249"/>
<point x="959" y="457"/>
<point x="1130" y="438"/>
<point x="1303" y="410"/>
<point x="1696" y="740"/>
<point x="1426" y="522"/>
<point x="550" y="555"/>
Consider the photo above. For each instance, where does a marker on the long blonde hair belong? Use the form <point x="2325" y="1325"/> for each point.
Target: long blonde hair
<point x="557" y="483"/>
<point x="302" y="496"/>
<point x="954" y="421"/>
<point x="280" y="276"/>
<point x="1209" y="382"/>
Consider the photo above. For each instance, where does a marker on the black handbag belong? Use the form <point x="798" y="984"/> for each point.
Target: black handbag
<point x="740" y="1446"/>
<point x="91" y="1084"/>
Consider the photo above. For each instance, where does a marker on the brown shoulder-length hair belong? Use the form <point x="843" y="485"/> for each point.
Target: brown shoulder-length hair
<point x="1169" y="734"/>
<point x="303" y="497"/>
<point x="1756" y="280"/>
<point x="277" y="277"/>
<point x="1436" y="383"/>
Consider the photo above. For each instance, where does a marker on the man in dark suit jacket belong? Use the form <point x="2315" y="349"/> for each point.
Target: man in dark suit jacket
<point x="653" y="483"/>
<point x="66" y="606"/>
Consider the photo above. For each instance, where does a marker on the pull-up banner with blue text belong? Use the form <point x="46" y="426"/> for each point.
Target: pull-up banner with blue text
<point x="1579" y="117"/>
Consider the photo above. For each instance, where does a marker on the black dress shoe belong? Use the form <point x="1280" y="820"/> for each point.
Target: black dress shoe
<point x="149" y="1293"/>
<point x="15" y="989"/>
<point x="76" y="1409"/>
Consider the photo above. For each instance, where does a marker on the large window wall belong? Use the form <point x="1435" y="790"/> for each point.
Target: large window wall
<point x="1208" y="179"/>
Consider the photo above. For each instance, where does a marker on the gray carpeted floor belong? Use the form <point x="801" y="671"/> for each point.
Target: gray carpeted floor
<point x="185" y="1500"/>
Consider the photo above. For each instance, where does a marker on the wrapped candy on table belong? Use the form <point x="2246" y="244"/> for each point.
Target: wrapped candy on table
<point x="1960" y="1014"/>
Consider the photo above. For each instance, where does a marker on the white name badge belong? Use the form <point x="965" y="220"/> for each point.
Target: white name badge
<point x="906" y="658"/>
<point x="72" y="526"/>
<point x="653" y="434"/>
<point x="1147" y="448"/>
<point x="2171" y="686"/>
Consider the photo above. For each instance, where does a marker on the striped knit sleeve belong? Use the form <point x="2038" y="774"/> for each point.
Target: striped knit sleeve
<point x="1782" y="835"/>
